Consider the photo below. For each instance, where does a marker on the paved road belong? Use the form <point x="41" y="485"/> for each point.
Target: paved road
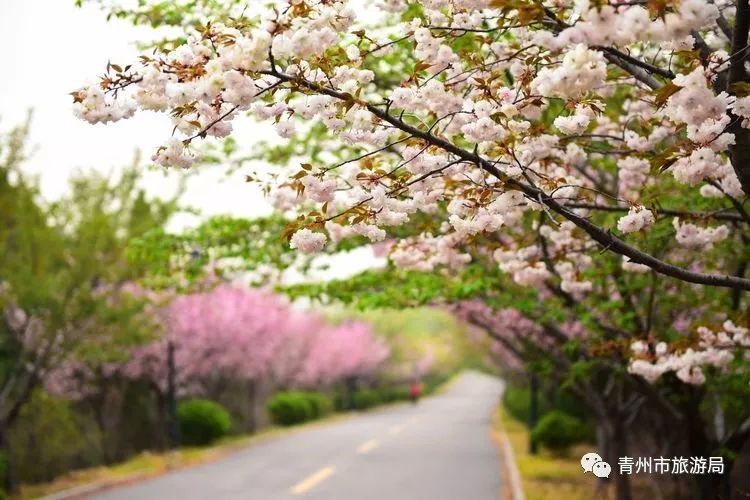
<point x="440" y="449"/>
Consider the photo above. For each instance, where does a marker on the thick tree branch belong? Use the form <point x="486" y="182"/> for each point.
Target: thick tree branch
<point x="650" y="68"/>
<point x="602" y="236"/>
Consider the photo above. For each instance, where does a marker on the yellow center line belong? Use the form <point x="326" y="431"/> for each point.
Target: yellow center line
<point x="312" y="480"/>
<point x="396" y="429"/>
<point x="368" y="446"/>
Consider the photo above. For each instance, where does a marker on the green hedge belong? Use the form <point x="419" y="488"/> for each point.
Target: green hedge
<point x="517" y="401"/>
<point x="367" y="398"/>
<point x="320" y="403"/>
<point x="558" y="431"/>
<point x="398" y="393"/>
<point x="202" y="421"/>
<point x="295" y="407"/>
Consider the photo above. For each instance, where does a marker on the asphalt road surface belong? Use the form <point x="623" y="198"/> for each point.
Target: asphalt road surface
<point x="439" y="449"/>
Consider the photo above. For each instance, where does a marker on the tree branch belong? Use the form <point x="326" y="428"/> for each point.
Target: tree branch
<point x="675" y="213"/>
<point x="603" y="237"/>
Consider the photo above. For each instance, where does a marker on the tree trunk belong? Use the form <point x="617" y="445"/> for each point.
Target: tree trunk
<point x="738" y="481"/>
<point x="618" y="448"/>
<point x="252" y="399"/>
<point x="533" y="411"/>
<point x="173" y="431"/>
<point x="98" y="404"/>
<point x="10" y="480"/>
<point x="707" y="487"/>
<point x="350" y="389"/>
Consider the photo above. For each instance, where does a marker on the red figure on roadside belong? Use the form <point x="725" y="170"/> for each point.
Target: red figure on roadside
<point x="415" y="391"/>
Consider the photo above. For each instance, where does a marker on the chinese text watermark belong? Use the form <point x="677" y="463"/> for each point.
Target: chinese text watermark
<point x="592" y="462"/>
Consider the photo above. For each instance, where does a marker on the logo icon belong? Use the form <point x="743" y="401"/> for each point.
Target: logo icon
<point x="592" y="462"/>
<point x="602" y="469"/>
<point x="588" y="461"/>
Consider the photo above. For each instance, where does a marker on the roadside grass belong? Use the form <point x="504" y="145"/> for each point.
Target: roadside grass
<point x="144" y="465"/>
<point x="547" y="475"/>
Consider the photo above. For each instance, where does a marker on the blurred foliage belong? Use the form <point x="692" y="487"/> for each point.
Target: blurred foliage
<point x="219" y="246"/>
<point x="366" y="398"/>
<point x="64" y="278"/>
<point x="558" y="431"/>
<point x="422" y="333"/>
<point x="48" y="439"/>
<point x="552" y="397"/>
<point x="547" y="475"/>
<point x="179" y="13"/>
<point x="202" y="422"/>
<point x="296" y="407"/>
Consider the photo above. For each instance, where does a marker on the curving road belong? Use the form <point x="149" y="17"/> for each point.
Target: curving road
<point x="440" y="449"/>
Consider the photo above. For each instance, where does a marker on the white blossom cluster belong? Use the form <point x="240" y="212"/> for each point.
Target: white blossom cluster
<point x="696" y="237"/>
<point x="610" y="25"/>
<point x="575" y="123"/>
<point x="637" y="219"/>
<point x="95" y="106"/>
<point x="631" y="177"/>
<point x="715" y="349"/>
<point x="307" y="241"/>
<point x="426" y="252"/>
<point x="581" y="71"/>
<point x="561" y="256"/>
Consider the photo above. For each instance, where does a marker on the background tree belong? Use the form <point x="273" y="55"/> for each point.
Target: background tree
<point x="63" y="274"/>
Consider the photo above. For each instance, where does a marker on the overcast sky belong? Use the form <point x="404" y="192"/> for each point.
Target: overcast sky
<point x="50" y="48"/>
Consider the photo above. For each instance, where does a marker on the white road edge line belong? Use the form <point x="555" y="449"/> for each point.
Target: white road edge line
<point x="312" y="480"/>
<point x="367" y="446"/>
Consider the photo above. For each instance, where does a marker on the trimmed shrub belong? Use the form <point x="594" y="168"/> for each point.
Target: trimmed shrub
<point x="571" y="404"/>
<point x="202" y="421"/>
<point x="366" y="398"/>
<point x="401" y="393"/>
<point x="321" y="404"/>
<point x="558" y="431"/>
<point x="295" y="407"/>
<point x="391" y="394"/>
<point x="341" y="401"/>
<point x="517" y="401"/>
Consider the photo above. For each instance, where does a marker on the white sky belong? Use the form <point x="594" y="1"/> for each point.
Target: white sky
<point x="50" y="48"/>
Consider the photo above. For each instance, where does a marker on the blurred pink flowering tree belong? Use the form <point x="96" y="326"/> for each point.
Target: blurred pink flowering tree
<point x="229" y="334"/>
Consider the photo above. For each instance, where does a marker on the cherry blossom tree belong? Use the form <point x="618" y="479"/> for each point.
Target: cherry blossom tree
<point x="345" y="351"/>
<point x="63" y="276"/>
<point x="225" y="332"/>
<point x="499" y="119"/>
<point x="232" y="333"/>
<point x="498" y="110"/>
